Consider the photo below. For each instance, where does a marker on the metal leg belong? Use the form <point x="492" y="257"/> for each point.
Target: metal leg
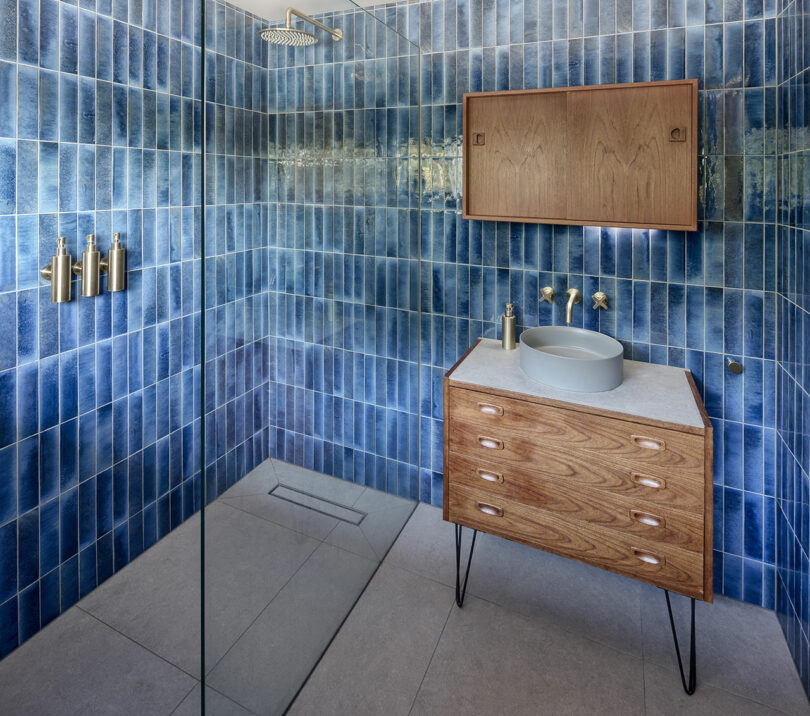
<point x="690" y="687"/>
<point x="461" y="590"/>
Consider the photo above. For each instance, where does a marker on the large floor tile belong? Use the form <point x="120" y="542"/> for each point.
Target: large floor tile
<point x="285" y="513"/>
<point x="585" y="600"/>
<point x="664" y="696"/>
<point x="215" y="704"/>
<point x="77" y="665"/>
<point x="491" y="661"/>
<point x="740" y="648"/>
<point x="385" y="517"/>
<point x="426" y="546"/>
<point x="155" y="600"/>
<point x="376" y="662"/>
<point x="325" y="486"/>
<point x="271" y="661"/>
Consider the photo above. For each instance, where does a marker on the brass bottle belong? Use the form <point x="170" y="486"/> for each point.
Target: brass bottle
<point x="113" y="265"/>
<point x="89" y="268"/>
<point x="58" y="272"/>
<point x="508" y="329"/>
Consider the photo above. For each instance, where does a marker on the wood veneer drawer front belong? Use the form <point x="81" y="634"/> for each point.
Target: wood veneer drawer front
<point x="573" y="469"/>
<point x="522" y="451"/>
<point x="618" y="439"/>
<point x="577" y="502"/>
<point x="662" y="565"/>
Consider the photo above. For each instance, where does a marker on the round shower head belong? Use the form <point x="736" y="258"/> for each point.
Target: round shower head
<point x="287" y="36"/>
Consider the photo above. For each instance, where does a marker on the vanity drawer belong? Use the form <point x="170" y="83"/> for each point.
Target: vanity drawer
<point x="619" y="439"/>
<point x="571" y="499"/>
<point x="659" y="564"/>
<point x="521" y="450"/>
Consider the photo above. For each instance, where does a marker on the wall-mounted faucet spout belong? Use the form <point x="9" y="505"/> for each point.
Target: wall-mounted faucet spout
<point x="574" y="296"/>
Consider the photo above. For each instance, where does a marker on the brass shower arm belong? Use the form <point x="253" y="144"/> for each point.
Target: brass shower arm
<point x="333" y="31"/>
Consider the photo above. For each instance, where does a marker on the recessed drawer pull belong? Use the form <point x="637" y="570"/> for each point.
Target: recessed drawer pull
<point x="490" y="409"/>
<point x="649" y="443"/>
<point x="647" y="518"/>
<point x="488" y="509"/>
<point x="490" y="443"/>
<point x="647" y="557"/>
<point x="490" y="476"/>
<point x="648" y="481"/>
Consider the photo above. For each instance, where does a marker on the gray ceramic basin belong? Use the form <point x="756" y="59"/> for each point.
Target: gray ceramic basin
<point x="571" y="358"/>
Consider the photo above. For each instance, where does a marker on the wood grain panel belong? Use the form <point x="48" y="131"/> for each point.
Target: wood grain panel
<point x="571" y="498"/>
<point x="515" y="162"/>
<point x="632" y="443"/>
<point x="593" y="507"/>
<point x="624" y="161"/>
<point x="665" y="492"/>
<point x="668" y="567"/>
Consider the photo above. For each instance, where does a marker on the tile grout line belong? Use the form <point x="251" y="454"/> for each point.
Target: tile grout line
<point x="513" y="610"/>
<point x="174" y="710"/>
<point x="430" y="661"/>
<point x="137" y="643"/>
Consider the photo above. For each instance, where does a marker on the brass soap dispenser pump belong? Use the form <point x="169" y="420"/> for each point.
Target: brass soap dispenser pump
<point x="89" y="268"/>
<point x="113" y="265"/>
<point x="58" y="272"/>
<point x="508" y="329"/>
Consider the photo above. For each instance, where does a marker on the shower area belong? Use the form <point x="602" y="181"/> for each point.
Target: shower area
<point x="209" y="430"/>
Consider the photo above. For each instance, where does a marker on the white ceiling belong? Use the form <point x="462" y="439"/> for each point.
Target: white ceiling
<point x="274" y="10"/>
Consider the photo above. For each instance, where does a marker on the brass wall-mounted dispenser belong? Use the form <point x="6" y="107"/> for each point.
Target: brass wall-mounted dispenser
<point x="58" y="272"/>
<point x="115" y="266"/>
<point x="89" y="268"/>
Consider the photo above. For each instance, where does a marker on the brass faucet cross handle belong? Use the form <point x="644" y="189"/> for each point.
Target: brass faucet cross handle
<point x="547" y="294"/>
<point x="600" y="300"/>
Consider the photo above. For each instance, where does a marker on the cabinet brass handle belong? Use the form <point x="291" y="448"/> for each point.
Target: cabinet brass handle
<point x="490" y="476"/>
<point x="490" y="443"/>
<point x="490" y="409"/>
<point x="646" y="556"/>
<point x="492" y="510"/>
<point x="655" y="483"/>
<point x="647" y="518"/>
<point x="649" y="443"/>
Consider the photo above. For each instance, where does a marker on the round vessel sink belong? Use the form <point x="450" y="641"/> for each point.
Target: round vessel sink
<point x="571" y="358"/>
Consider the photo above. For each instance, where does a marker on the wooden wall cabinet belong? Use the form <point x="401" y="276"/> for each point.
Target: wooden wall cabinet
<point x="605" y="155"/>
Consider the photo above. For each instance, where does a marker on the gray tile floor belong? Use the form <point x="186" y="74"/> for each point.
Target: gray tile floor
<point x="280" y="579"/>
<point x="537" y="635"/>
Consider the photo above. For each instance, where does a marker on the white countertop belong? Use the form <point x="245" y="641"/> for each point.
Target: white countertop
<point x="650" y="391"/>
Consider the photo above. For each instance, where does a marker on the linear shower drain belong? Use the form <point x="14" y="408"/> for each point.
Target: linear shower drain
<point x="318" y="504"/>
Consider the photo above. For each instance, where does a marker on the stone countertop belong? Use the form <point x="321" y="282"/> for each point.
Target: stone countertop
<point x="648" y="391"/>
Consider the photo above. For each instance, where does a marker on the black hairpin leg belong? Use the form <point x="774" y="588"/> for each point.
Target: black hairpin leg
<point x="461" y="589"/>
<point x="690" y="687"/>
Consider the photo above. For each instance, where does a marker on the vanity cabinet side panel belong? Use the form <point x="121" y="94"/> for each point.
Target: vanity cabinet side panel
<point x="708" y="498"/>
<point x="515" y="156"/>
<point x="446" y="431"/>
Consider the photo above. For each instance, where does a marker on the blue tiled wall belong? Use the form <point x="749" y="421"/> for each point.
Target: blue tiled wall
<point x="100" y="132"/>
<point x="686" y="299"/>
<point x="344" y="135"/>
<point x="793" y="347"/>
<point x="333" y="306"/>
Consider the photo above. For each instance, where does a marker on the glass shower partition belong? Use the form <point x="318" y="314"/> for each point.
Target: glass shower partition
<point x="311" y="336"/>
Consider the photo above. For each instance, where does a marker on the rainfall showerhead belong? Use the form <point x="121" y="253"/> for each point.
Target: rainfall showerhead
<point x="287" y="36"/>
<point x="297" y="38"/>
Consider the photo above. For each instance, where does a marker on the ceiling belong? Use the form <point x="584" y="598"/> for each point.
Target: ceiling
<point x="273" y="10"/>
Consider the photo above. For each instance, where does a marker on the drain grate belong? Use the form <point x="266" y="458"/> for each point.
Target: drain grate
<point x="318" y="504"/>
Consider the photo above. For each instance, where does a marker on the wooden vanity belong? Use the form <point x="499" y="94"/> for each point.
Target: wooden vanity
<point x="621" y="480"/>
